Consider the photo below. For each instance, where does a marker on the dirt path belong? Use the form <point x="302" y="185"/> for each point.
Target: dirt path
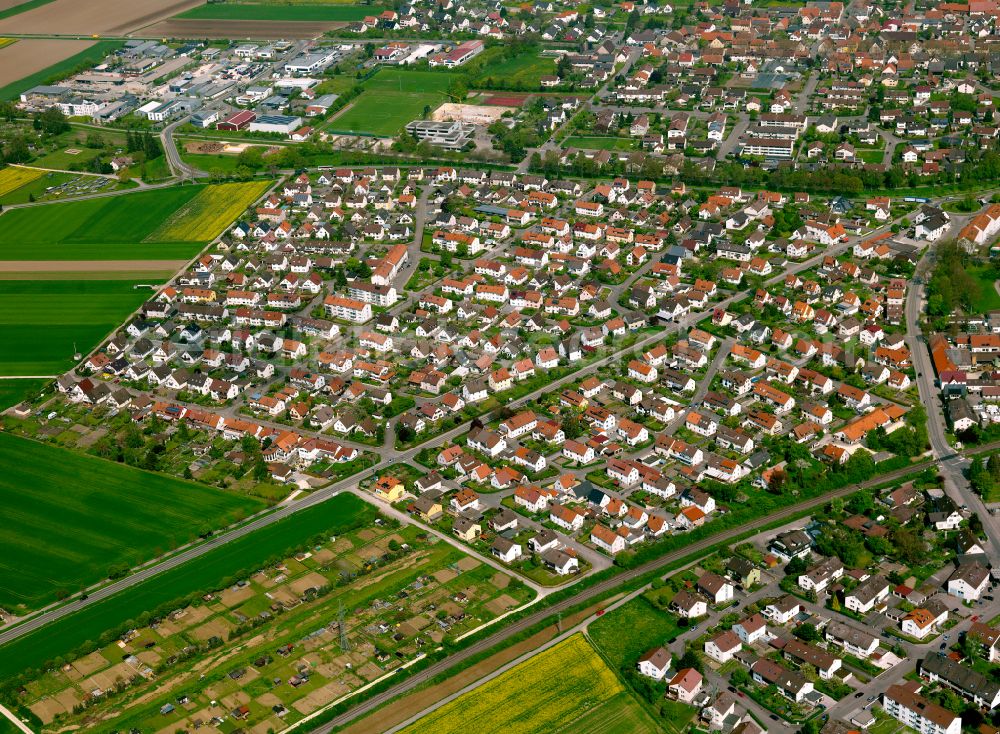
<point x="90" y="266"/>
<point x="404" y="708"/>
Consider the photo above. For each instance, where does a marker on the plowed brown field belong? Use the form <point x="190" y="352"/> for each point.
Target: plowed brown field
<point x="199" y="28"/>
<point x="93" y="17"/>
<point x="29" y="55"/>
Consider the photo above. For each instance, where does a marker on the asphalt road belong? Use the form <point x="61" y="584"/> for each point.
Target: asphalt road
<point x="388" y="455"/>
<point x="952" y="465"/>
<point x="590" y="593"/>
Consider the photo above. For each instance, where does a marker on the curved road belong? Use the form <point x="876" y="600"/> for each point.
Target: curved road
<point x="176" y="163"/>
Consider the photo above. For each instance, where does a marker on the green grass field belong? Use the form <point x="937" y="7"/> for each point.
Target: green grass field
<point x="520" y="72"/>
<point x="625" y="633"/>
<point x="331" y="12"/>
<point x="42" y="320"/>
<point x="600" y="143"/>
<point x="62" y="159"/>
<point x="69" y="517"/>
<point x="986" y="277"/>
<point x="392" y="98"/>
<point x="619" y="715"/>
<point x="209" y="571"/>
<point x="384" y="113"/>
<point x="88" y="57"/>
<point x="209" y="162"/>
<point x="36" y="188"/>
<point x="404" y="80"/>
<point x="13" y="392"/>
<point x="106" y="228"/>
<point x="22" y="7"/>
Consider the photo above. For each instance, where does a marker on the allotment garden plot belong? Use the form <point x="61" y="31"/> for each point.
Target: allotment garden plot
<point x="268" y="648"/>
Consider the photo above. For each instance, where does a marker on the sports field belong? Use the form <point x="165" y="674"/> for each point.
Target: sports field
<point x="42" y="320"/>
<point x="69" y="517"/>
<point x="567" y="688"/>
<point x="392" y="98"/>
<point x="209" y="571"/>
<point x="313" y="11"/>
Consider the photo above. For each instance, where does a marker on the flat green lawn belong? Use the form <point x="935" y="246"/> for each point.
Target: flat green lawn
<point x="870" y="155"/>
<point x="69" y="517"/>
<point x="384" y="113"/>
<point x="599" y="143"/>
<point x="392" y="98"/>
<point x="986" y="276"/>
<point x="519" y="72"/>
<point x="67" y="161"/>
<point x="209" y="571"/>
<point x="619" y="715"/>
<point x="13" y="392"/>
<point x="105" y="228"/>
<point x="36" y="188"/>
<point x="262" y="11"/>
<point x="404" y="80"/>
<point x="209" y="162"/>
<point x="625" y="633"/>
<point x="676" y="715"/>
<point x="41" y="320"/>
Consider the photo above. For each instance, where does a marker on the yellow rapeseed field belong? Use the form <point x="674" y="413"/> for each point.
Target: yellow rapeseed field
<point x="544" y="694"/>
<point x="212" y="210"/>
<point x="12" y="178"/>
